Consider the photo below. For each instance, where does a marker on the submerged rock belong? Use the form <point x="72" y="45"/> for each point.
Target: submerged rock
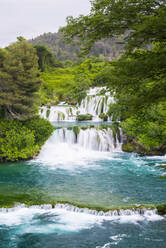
<point x="87" y="117"/>
<point x="163" y="166"/>
<point x="161" y="209"/>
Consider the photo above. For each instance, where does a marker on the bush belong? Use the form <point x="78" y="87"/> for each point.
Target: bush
<point x="41" y="128"/>
<point x="16" y="141"/>
<point x="86" y="117"/>
<point x="22" y="140"/>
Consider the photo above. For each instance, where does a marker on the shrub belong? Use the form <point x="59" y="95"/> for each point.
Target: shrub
<point x="41" y="128"/>
<point x="16" y="141"/>
<point x="22" y="140"/>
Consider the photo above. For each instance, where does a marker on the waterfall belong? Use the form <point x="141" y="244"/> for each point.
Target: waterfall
<point x="59" y="113"/>
<point x="95" y="139"/>
<point x="80" y="143"/>
<point x="74" y="147"/>
<point x="116" y="213"/>
<point x="94" y="103"/>
<point x="99" y="140"/>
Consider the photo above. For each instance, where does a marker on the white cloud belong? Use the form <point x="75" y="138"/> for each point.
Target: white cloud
<point x="30" y="18"/>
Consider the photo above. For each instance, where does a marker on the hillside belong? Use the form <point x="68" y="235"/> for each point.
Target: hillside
<point x="106" y="48"/>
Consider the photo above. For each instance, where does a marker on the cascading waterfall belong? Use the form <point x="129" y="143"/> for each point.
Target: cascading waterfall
<point x="95" y="139"/>
<point x="94" y="103"/>
<point x="73" y="147"/>
<point x="100" y="140"/>
<point x="59" y="113"/>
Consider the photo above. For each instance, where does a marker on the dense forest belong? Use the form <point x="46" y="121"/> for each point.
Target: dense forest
<point x="106" y="49"/>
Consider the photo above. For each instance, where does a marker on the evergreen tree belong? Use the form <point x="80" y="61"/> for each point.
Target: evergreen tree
<point x="46" y="58"/>
<point x="19" y="81"/>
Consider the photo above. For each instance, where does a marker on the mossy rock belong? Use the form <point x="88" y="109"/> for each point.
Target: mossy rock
<point x="69" y="128"/>
<point x="163" y="177"/>
<point x="48" y="113"/>
<point x="84" y="128"/>
<point x="87" y="117"/>
<point x="128" y="147"/>
<point x="134" y="146"/>
<point x="76" y="130"/>
<point x="161" y="209"/>
<point x="163" y="166"/>
<point x="104" y="117"/>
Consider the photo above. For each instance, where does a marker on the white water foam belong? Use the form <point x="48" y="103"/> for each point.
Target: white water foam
<point x="163" y="158"/>
<point x="45" y="219"/>
<point x="114" y="240"/>
<point x="63" y="150"/>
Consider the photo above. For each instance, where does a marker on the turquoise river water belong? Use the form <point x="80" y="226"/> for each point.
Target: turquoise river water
<point x="84" y="174"/>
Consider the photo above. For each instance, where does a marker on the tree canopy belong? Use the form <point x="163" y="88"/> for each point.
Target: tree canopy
<point x="140" y="21"/>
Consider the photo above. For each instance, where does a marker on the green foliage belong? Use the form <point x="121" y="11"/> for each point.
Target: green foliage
<point x="86" y="117"/>
<point x="139" y="79"/>
<point x="16" y="141"/>
<point x="140" y="21"/>
<point x="71" y="83"/>
<point x="19" y="81"/>
<point x="22" y="140"/>
<point x="149" y="127"/>
<point x="41" y="129"/>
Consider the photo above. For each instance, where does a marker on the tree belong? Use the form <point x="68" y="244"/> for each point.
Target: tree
<point x="19" y="81"/>
<point x="140" y="21"/>
<point x="46" y="58"/>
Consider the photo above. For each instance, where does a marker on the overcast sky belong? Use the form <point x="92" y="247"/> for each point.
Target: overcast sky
<point x="30" y="18"/>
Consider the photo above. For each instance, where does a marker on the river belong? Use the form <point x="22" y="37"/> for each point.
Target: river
<point x="85" y="172"/>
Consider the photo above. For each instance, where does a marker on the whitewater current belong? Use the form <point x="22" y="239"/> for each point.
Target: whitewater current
<point x="82" y="190"/>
